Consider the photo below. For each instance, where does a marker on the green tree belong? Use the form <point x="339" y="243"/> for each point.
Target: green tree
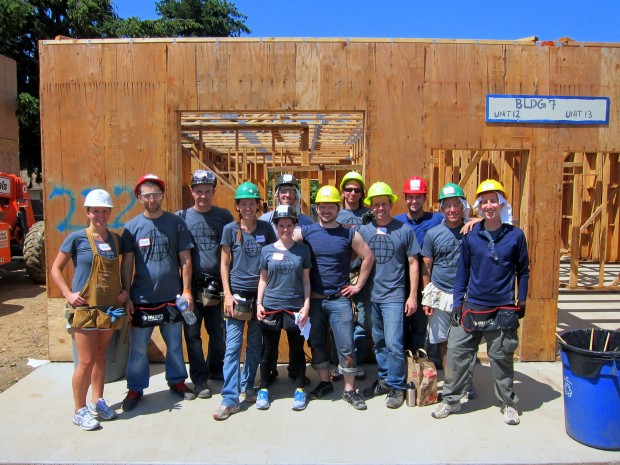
<point x="24" y="22"/>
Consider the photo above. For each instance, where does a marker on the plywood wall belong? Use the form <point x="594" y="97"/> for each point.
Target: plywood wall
<point x="9" y="131"/>
<point x="110" y="113"/>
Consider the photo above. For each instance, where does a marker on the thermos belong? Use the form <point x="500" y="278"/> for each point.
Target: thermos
<point x="410" y="395"/>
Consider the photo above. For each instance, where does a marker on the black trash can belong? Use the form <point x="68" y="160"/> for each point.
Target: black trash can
<point x="592" y="386"/>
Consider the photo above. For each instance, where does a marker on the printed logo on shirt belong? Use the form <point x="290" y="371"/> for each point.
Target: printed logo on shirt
<point x="205" y="235"/>
<point x="159" y="246"/>
<point x="382" y="247"/>
<point x="285" y="266"/>
<point x="251" y="247"/>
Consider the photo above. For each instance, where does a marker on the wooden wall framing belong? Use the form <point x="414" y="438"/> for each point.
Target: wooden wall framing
<point x="111" y="111"/>
<point x="9" y="130"/>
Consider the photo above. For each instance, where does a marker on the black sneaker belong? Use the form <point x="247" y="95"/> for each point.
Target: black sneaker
<point x="131" y="400"/>
<point x="202" y="391"/>
<point x="395" y="398"/>
<point x="378" y="388"/>
<point x="182" y="390"/>
<point x="322" y="389"/>
<point x="354" y="398"/>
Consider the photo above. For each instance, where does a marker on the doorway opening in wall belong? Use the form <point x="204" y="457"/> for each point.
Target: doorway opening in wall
<point x="316" y="147"/>
<point x="468" y="167"/>
<point x="590" y="220"/>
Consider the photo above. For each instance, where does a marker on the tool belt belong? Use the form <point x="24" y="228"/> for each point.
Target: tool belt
<point x="149" y="315"/>
<point x="91" y="318"/>
<point x="494" y="319"/>
<point x="245" y="308"/>
<point x="207" y="290"/>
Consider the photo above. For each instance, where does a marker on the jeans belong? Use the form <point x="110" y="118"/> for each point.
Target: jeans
<point x="200" y="368"/>
<point x="362" y="328"/>
<point x="339" y="314"/>
<point x="138" y="363"/>
<point x="234" y="381"/>
<point x="387" y="334"/>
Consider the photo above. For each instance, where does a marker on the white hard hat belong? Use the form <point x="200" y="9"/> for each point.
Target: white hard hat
<point x="98" y="198"/>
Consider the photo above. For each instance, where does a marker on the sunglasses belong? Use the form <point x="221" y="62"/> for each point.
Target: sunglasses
<point x="357" y="190"/>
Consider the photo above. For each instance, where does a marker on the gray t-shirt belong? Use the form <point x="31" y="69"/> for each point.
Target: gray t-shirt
<point x="392" y="245"/>
<point x="245" y="257"/>
<point x="443" y="245"/>
<point x="206" y="229"/>
<point x="76" y="244"/>
<point x="156" y="244"/>
<point x="304" y="220"/>
<point x="352" y="217"/>
<point x="285" y="285"/>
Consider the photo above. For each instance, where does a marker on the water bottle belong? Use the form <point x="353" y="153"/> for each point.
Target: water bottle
<point x="410" y="395"/>
<point x="182" y="305"/>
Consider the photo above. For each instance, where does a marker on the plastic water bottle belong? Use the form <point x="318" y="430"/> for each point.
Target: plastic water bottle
<point x="183" y="305"/>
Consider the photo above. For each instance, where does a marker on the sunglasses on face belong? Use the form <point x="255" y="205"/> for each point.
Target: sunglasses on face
<point x="357" y="190"/>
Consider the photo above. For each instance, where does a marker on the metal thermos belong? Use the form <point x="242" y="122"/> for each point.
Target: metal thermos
<point x="410" y="395"/>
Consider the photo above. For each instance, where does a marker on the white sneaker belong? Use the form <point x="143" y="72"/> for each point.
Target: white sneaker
<point x="101" y="410"/>
<point x="443" y="410"/>
<point x="511" y="415"/>
<point x="85" y="420"/>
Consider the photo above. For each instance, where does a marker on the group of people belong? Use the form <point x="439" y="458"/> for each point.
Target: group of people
<point x="358" y="271"/>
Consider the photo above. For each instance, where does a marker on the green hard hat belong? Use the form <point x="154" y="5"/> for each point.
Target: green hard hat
<point x="247" y="190"/>
<point x="451" y="190"/>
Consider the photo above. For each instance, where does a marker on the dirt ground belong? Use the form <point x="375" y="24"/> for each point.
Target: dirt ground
<point x="23" y="323"/>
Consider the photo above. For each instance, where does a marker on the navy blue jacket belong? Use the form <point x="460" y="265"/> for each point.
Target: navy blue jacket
<point x="489" y="278"/>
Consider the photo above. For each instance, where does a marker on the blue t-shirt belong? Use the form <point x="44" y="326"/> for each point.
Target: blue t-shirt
<point x="331" y="256"/>
<point x="443" y="245"/>
<point x="392" y="245"/>
<point x="285" y="284"/>
<point x="245" y="256"/>
<point x="206" y="230"/>
<point x="77" y="245"/>
<point x="156" y="244"/>
<point x="427" y="221"/>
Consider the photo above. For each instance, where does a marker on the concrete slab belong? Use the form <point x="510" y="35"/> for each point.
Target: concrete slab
<point x="36" y="427"/>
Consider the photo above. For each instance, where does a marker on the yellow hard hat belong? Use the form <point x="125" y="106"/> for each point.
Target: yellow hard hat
<point x="327" y="194"/>
<point x="377" y="190"/>
<point x="352" y="176"/>
<point x="490" y="185"/>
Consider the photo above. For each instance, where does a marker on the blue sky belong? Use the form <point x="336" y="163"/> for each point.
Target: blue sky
<point x="583" y="21"/>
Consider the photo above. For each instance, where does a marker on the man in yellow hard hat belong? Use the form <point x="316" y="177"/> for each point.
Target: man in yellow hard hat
<point x="395" y="248"/>
<point x="332" y="247"/>
<point x="494" y="257"/>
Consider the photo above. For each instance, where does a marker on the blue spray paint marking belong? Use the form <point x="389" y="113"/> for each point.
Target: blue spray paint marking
<point x="65" y="224"/>
<point x="118" y="190"/>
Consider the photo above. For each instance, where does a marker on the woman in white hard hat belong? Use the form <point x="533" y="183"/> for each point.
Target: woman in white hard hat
<point x="94" y="308"/>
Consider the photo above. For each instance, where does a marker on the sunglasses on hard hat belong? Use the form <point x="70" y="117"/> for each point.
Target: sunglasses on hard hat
<point x="357" y="190"/>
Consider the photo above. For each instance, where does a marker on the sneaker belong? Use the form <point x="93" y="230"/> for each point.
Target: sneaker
<point x="395" y="398"/>
<point x="354" y="398"/>
<point x="321" y="390"/>
<point x="101" y="410"/>
<point x="250" y="396"/>
<point x="182" y="390"/>
<point x="202" y="390"/>
<point x="378" y="388"/>
<point x="299" y="399"/>
<point x="223" y="412"/>
<point x="85" y="420"/>
<point x="131" y="400"/>
<point x="444" y="409"/>
<point x="262" y="401"/>
<point x="336" y="376"/>
<point x="511" y="415"/>
<point x="470" y="392"/>
<point x="360" y="374"/>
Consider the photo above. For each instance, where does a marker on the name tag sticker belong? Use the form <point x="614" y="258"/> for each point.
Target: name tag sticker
<point x="381" y="230"/>
<point x="105" y="247"/>
<point x="260" y="238"/>
<point x="278" y="256"/>
<point x="144" y="242"/>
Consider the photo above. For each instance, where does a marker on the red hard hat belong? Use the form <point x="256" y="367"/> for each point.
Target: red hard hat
<point x="151" y="178"/>
<point x="415" y="185"/>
